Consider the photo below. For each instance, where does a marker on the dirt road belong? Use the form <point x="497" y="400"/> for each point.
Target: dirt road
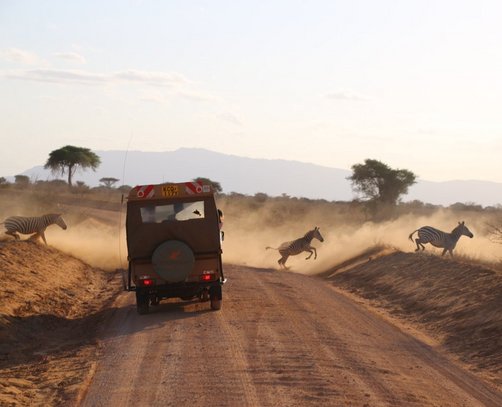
<point x="281" y="339"/>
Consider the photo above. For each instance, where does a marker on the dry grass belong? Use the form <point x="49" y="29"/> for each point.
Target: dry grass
<point x="252" y="223"/>
<point x="96" y="227"/>
<point x="457" y="302"/>
<point x="96" y="236"/>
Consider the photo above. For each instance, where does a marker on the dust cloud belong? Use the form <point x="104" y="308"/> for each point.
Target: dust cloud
<point x="248" y="235"/>
<point x="94" y="236"/>
<point x="98" y="236"/>
<point x="99" y="245"/>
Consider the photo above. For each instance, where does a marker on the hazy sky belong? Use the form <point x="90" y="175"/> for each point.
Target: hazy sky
<point x="415" y="84"/>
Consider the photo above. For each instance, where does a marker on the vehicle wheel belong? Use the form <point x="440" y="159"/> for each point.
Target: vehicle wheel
<point x="215" y="295"/>
<point x="142" y="303"/>
<point x="215" y="304"/>
<point x="124" y="280"/>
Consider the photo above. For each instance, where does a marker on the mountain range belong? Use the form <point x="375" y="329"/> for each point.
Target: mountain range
<point x="270" y="176"/>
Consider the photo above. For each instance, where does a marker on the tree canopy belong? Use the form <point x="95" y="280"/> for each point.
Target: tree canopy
<point x="215" y="185"/>
<point x="69" y="159"/>
<point x="379" y="183"/>
<point x="21" y="180"/>
<point x="108" y="182"/>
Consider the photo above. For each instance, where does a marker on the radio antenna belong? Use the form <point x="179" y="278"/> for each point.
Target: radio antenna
<point x="122" y="200"/>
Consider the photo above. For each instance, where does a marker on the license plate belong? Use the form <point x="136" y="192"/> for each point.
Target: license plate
<point x="170" y="190"/>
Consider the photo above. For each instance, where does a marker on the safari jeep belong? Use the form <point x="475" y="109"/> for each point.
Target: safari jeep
<point x="173" y="242"/>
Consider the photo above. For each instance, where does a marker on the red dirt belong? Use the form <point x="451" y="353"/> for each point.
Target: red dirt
<point x="399" y="329"/>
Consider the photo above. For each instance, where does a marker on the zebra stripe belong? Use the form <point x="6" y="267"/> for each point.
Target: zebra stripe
<point x="32" y="225"/>
<point x="297" y="246"/>
<point x="438" y="238"/>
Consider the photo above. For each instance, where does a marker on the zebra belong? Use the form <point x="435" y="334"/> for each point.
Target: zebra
<point x="298" y="246"/>
<point x="438" y="238"/>
<point x="32" y="225"/>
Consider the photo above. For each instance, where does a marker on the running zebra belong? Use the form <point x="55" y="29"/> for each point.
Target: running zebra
<point x="298" y="246"/>
<point x="438" y="238"/>
<point x="33" y="225"/>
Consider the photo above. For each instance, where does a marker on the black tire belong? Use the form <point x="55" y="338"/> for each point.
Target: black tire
<point x="216" y="297"/>
<point x="142" y="303"/>
<point x="124" y="280"/>
<point x="215" y="305"/>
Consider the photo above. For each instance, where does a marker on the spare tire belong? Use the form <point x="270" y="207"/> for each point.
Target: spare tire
<point x="173" y="261"/>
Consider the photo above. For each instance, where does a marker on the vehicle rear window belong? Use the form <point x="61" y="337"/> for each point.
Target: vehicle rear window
<point x="175" y="212"/>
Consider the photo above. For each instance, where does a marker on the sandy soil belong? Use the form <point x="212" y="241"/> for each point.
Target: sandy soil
<point x="50" y="304"/>
<point x="280" y="339"/>
<point x="384" y="329"/>
<point x="456" y="302"/>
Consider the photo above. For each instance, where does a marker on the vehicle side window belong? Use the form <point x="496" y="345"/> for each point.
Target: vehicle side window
<point x="179" y="211"/>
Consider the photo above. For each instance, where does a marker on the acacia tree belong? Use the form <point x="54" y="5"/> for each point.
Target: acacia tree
<point x="21" y="180"/>
<point x="379" y="183"/>
<point x="108" y="182"/>
<point x="69" y="159"/>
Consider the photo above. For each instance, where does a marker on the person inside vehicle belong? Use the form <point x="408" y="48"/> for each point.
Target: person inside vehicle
<point x="220" y="224"/>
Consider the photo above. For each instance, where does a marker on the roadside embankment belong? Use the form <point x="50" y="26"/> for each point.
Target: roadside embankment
<point x="50" y="304"/>
<point x="456" y="302"/>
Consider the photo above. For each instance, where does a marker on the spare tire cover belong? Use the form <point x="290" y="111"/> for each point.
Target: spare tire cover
<point x="173" y="261"/>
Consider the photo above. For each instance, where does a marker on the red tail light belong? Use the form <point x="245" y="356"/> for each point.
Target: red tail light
<point x="146" y="281"/>
<point x="208" y="275"/>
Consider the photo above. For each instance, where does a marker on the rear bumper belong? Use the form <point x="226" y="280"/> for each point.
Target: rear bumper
<point x="181" y="290"/>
